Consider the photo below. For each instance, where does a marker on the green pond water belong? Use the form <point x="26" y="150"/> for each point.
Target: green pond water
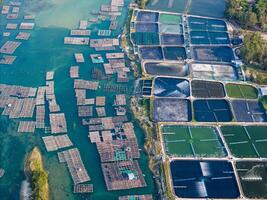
<point x="45" y="51"/>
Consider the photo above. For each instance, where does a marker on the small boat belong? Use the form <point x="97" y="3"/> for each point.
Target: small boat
<point x="2" y="172"/>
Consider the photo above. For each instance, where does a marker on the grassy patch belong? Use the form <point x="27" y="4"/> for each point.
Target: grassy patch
<point x="241" y="91"/>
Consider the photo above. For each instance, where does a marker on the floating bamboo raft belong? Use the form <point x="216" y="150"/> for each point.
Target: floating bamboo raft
<point x="113" y="25"/>
<point x="5" y="10"/>
<point x="118" y="3"/>
<point x="139" y="197"/>
<point x="101" y="112"/>
<point x="29" y="17"/>
<point x="79" y="57"/>
<point x="53" y="143"/>
<point x="117" y="150"/>
<point x="40" y="116"/>
<point x="98" y="74"/>
<point x="74" y="72"/>
<point x="7" y="60"/>
<point x="100" y="101"/>
<point x="83" y="188"/>
<point x="114" y="55"/>
<point x="120" y="100"/>
<point x="84" y="84"/>
<point x="40" y="97"/>
<point x="11" y="26"/>
<point x="12" y="16"/>
<point x="10" y="47"/>
<point x="28" y="107"/>
<point x="15" y="10"/>
<point x="83" y="24"/>
<point x="23" y="36"/>
<point x="109" y="8"/>
<point x="75" y="165"/>
<point x="107" y="42"/>
<point x="49" y="75"/>
<point x="26" y="127"/>
<point x="17" y="91"/>
<point x="76" y="40"/>
<point x="76" y="32"/>
<point x="123" y="175"/>
<point x="6" y="34"/>
<point x="85" y="111"/>
<point x="104" y="32"/>
<point x="26" y="26"/>
<point x="58" y="123"/>
<point x="115" y="88"/>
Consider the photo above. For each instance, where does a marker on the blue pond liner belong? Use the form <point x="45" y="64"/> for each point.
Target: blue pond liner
<point x="152" y="53"/>
<point x="146" y="27"/>
<point x="203" y="179"/>
<point x="146" y="16"/>
<point x="205" y="24"/>
<point x="174" y="53"/>
<point x="206" y="37"/>
<point x="171" y="87"/>
<point x="167" y="69"/>
<point x="213" y="110"/>
<point x="217" y="54"/>
<point x="172" y="39"/>
<point x="248" y="111"/>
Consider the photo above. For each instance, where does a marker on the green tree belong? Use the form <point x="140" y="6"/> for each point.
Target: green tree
<point x="254" y="50"/>
<point x="251" y="19"/>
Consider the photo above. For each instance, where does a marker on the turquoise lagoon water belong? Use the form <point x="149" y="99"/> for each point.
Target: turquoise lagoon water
<point x="43" y="52"/>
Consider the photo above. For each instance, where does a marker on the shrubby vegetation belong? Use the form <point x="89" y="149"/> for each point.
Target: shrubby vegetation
<point x="38" y="176"/>
<point x="141" y="3"/>
<point x="248" y="14"/>
<point x="254" y="50"/>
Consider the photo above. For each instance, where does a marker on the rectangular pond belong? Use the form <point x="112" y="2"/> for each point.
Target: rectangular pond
<point x="171" y="110"/>
<point x="192" y="141"/>
<point x="203" y="179"/>
<point x="213" y="110"/>
<point x="246" y="141"/>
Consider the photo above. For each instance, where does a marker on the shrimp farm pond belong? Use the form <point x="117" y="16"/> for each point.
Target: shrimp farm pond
<point x="210" y="121"/>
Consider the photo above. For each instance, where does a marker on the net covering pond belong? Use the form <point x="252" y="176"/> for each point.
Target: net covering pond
<point x="213" y="110"/>
<point x="203" y="179"/>
<point x="253" y="178"/>
<point x="248" y="111"/>
<point x="172" y="39"/>
<point x="246" y="141"/>
<point x="151" y="53"/>
<point x="146" y="16"/>
<point x="192" y="141"/>
<point x="214" y="72"/>
<point x="207" y="37"/>
<point x="170" y="29"/>
<point x="170" y="19"/>
<point x="205" y="24"/>
<point x="207" y="89"/>
<point x="241" y="91"/>
<point x="145" y="38"/>
<point x="216" y="54"/>
<point x="166" y="69"/>
<point x="174" y="53"/>
<point x="171" y="87"/>
<point x="171" y="110"/>
<point x="146" y="27"/>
